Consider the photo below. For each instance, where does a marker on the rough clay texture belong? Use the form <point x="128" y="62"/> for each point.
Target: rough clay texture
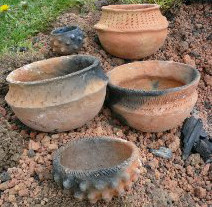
<point x="97" y="168"/>
<point x="147" y="29"/>
<point x="152" y="110"/>
<point x="162" y="182"/>
<point x="66" y="40"/>
<point x="57" y="100"/>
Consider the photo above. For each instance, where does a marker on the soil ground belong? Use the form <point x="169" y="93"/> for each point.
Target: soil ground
<point x="163" y="182"/>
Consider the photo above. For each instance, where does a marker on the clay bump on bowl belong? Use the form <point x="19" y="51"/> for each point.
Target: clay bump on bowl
<point x="57" y="94"/>
<point x="136" y="98"/>
<point x="97" y="168"/>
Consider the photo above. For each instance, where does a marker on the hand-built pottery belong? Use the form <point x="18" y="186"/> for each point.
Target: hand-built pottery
<point x="153" y="96"/>
<point x="97" y="168"/>
<point x="132" y="31"/>
<point x="57" y="94"/>
<point x="66" y="40"/>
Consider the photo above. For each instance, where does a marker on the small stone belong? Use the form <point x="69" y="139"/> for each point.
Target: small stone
<point x="194" y="159"/>
<point x="23" y="192"/>
<point x="11" y="198"/>
<point x="174" y="196"/>
<point x="153" y="164"/>
<point x="46" y="141"/>
<point x="34" y="145"/>
<point x="175" y="145"/>
<point x="187" y="60"/>
<point x="55" y="136"/>
<point x="2" y="111"/>
<point x="198" y="26"/>
<point x="208" y="80"/>
<point x="117" y="61"/>
<point x="5" y="176"/>
<point x="189" y="171"/>
<point x="52" y="147"/>
<point x="4" y="186"/>
<point x="200" y="192"/>
<point x="162" y="152"/>
<point x="184" y="46"/>
<point x="31" y="153"/>
<point x="32" y="135"/>
<point x="205" y="169"/>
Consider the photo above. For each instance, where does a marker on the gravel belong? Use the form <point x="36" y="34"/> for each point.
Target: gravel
<point x="163" y="182"/>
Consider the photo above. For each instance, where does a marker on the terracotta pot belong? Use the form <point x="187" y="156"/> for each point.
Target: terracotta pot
<point x="153" y="96"/>
<point x="97" y="168"/>
<point x="57" y="94"/>
<point x="66" y="40"/>
<point x="132" y="31"/>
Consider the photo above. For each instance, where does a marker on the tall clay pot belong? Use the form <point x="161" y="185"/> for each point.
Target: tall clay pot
<point x="132" y="31"/>
<point x="57" y="94"/>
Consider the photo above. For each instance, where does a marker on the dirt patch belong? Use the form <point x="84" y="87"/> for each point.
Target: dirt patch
<point x="11" y="145"/>
<point x="163" y="182"/>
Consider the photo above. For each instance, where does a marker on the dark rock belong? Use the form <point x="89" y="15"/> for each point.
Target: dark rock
<point x="5" y="176"/>
<point x="184" y="46"/>
<point x="194" y="54"/>
<point x="162" y="152"/>
<point x="31" y="153"/>
<point x="195" y="138"/>
<point x="209" y="37"/>
<point x="23" y="49"/>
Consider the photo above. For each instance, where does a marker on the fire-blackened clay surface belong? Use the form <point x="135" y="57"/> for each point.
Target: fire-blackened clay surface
<point x="57" y="94"/>
<point x="195" y="139"/>
<point x="97" y="168"/>
<point x="67" y="40"/>
<point x="153" y="96"/>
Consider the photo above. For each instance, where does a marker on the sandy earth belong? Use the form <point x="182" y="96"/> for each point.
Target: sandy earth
<point x="163" y="182"/>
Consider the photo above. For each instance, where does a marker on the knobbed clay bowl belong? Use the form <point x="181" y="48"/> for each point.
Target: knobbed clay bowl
<point x="66" y="40"/>
<point x="57" y="94"/>
<point x="97" y="168"/>
<point x="132" y="31"/>
<point x="153" y="96"/>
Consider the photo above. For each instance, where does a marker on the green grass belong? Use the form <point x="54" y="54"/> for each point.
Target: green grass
<point x="17" y="25"/>
<point x="165" y="4"/>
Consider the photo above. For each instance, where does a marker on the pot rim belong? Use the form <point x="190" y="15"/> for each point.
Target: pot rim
<point x="113" y="8"/>
<point x="157" y="92"/>
<point x="69" y="27"/>
<point x="122" y="7"/>
<point x="10" y="80"/>
<point x="101" y="171"/>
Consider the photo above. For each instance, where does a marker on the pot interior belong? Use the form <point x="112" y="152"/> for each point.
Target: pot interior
<point x="152" y="75"/>
<point x="62" y="30"/>
<point x="50" y="68"/>
<point x="95" y="154"/>
<point x="150" y="83"/>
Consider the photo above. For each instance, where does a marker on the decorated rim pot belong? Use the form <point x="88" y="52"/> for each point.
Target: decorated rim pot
<point x="57" y="94"/>
<point x="66" y="40"/>
<point x="97" y="167"/>
<point x="132" y="31"/>
<point x="153" y="96"/>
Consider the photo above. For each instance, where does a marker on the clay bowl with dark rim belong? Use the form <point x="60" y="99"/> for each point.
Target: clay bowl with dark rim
<point x="132" y="31"/>
<point x="57" y="94"/>
<point x="97" y="168"/>
<point x="66" y="40"/>
<point x="152" y="96"/>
